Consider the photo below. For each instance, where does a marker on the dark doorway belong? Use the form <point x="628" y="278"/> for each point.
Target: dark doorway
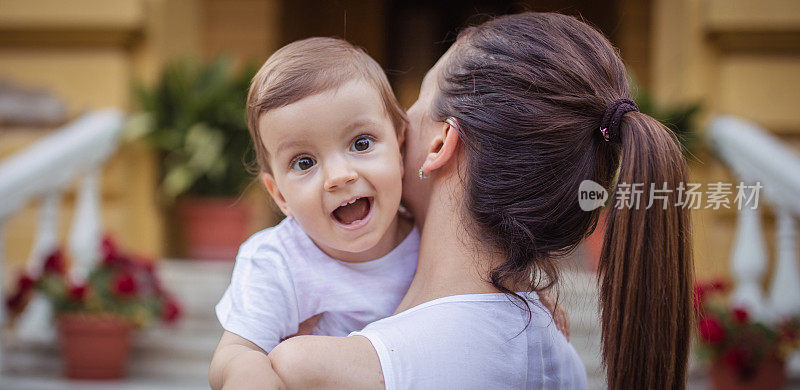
<point x="408" y="36"/>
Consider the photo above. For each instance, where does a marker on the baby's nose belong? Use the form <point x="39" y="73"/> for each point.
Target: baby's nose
<point x="339" y="175"/>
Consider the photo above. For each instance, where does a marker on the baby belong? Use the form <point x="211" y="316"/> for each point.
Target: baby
<point x="327" y="131"/>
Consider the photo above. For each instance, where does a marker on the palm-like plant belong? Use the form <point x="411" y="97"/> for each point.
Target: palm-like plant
<point x="195" y="118"/>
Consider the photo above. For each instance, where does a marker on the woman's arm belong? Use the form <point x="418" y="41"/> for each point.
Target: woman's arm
<point x="321" y="362"/>
<point x="241" y="364"/>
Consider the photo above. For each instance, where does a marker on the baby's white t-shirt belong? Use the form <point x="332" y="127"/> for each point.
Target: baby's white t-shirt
<point x="475" y="341"/>
<point x="282" y="278"/>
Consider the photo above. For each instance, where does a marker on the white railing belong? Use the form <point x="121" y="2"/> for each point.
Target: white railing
<point x="757" y="157"/>
<point x="44" y="171"/>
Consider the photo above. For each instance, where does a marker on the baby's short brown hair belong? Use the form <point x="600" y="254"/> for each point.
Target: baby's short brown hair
<point x="308" y="67"/>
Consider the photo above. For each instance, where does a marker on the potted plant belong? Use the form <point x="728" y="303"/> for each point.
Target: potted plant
<point x="95" y="318"/>
<point x="744" y="353"/>
<point x="680" y="119"/>
<point x="195" y="119"/>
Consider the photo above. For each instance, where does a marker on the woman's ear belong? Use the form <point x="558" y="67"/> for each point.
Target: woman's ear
<point x="275" y="193"/>
<point x="443" y="147"/>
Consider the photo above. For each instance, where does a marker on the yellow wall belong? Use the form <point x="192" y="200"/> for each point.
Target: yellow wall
<point x="247" y="29"/>
<point x="739" y="57"/>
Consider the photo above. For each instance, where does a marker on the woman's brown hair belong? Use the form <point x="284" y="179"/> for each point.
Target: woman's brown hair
<point x="529" y="92"/>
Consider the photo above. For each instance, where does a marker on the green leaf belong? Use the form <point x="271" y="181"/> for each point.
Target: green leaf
<point x="178" y="180"/>
<point x="204" y="146"/>
<point x="138" y="126"/>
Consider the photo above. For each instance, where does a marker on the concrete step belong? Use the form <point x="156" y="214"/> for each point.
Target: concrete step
<point x="42" y="370"/>
<point x="190" y="338"/>
<point x="131" y="383"/>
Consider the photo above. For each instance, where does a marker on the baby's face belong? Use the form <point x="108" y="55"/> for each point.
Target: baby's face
<point x="336" y="168"/>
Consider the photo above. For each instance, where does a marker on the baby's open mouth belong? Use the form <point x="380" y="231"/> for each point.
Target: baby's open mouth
<point x="352" y="212"/>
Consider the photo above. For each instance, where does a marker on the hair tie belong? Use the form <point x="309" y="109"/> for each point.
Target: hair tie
<point x="612" y="117"/>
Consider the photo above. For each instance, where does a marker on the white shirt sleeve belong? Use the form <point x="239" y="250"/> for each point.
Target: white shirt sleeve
<point x="260" y="304"/>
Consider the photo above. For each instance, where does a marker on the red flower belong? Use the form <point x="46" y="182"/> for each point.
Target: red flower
<point x="107" y="248"/>
<point x="77" y="293"/>
<point x="16" y="303"/>
<point x="711" y="331"/>
<point x="54" y="263"/>
<point x="170" y="310"/>
<point x="718" y="285"/>
<point x="25" y="283"/>
<point x="740" y="315"/>
<point x="124" y="284"/>
<point x="111" y="255"/>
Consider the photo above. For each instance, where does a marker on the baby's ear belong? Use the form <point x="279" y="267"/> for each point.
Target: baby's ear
<point x="275" y="193"/>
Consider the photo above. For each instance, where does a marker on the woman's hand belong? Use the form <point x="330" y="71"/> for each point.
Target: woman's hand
<point x="559" y="314"/>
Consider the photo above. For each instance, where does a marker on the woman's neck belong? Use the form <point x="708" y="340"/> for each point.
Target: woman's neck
<point x="449" y="262"/>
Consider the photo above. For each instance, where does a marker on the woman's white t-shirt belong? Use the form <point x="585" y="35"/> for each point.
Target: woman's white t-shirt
<point x="475" y="341"/>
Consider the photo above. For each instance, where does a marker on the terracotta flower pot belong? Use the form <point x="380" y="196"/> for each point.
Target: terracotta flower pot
<point x="769" y="375"/>
<point x="94" y="346"/>
<point x="213" y="228"/>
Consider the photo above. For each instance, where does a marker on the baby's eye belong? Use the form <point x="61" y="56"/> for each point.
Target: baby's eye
<point x="361" y="144"/>
<point x="303" y="163"/>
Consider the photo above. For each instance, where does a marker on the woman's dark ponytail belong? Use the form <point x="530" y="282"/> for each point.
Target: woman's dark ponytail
<point x="646" y="264"/>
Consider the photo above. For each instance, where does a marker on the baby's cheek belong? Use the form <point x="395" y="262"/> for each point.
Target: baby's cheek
<point x="386" y="173"/>
<point x="397" y="165"/>
<point x="394" y="181"/>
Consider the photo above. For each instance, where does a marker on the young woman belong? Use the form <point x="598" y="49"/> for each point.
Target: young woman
<point x="510" y="121"/>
